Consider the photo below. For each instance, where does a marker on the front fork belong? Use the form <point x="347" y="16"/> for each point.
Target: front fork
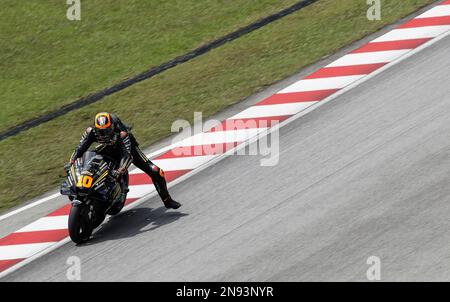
<point x="88" y="211"/>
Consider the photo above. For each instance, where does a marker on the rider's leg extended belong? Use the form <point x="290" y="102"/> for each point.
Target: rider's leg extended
<point x="156" y="174"/>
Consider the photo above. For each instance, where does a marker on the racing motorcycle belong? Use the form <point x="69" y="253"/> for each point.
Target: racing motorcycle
<point x="95" y="190"/>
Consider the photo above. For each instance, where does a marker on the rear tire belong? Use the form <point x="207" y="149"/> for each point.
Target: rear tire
<point x="116" y="208"/>
<point x="79" y="228"/>
<point x="119" y="206"/>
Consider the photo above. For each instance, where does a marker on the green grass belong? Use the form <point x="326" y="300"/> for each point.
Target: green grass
<point x="48" y="61"/>
<point x="32" y="161"/>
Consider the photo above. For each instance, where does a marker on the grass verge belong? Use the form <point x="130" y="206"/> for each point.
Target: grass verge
<point x="48" y="61"/>
<point x="31" y="163"/>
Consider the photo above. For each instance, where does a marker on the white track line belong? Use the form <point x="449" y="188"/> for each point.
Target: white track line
<point x="46" y="223"/>
<point x="138" y="191"/>
<point x="369" y="58"/>
<point x="219" y="137"/>
<point x="321" y="84"/>
<point x="179" y="163"/>
<point x="437" y="11"/>
<point x="271" y="110"/>
<point x="413" y="33"/>
<point x="18" y="251"/>
<point x="182" y="163"/>
<point x="29" y="206"/>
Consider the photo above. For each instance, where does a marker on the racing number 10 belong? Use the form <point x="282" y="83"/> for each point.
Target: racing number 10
<point x="84" y="181"/>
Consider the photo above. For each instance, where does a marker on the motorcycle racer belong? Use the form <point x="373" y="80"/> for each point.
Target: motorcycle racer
<point x="115" y="139"/>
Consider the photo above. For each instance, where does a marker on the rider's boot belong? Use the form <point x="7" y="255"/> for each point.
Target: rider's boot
<point x="169" y="203"/>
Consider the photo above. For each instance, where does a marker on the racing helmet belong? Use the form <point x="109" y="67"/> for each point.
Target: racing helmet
<point x="104" y="127"/>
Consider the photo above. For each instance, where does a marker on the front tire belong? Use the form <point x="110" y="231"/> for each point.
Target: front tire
<point x="79" y="228"/>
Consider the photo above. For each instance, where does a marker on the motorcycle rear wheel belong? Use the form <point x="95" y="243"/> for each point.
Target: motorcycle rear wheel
<point x="116" y="208"/>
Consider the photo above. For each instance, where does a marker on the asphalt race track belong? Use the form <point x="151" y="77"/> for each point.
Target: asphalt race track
<point x="367" y="174"/>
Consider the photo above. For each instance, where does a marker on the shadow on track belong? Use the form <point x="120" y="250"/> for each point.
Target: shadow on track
<point x="133" y="222"/>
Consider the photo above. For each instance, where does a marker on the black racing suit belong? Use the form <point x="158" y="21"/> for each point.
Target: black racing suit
<point x="125" y="149"/>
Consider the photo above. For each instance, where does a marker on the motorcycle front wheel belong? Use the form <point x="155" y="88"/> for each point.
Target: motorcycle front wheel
<point x="79" y="227"/>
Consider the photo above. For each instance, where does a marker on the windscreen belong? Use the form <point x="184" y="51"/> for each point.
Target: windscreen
<point x="90" y="159"/>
